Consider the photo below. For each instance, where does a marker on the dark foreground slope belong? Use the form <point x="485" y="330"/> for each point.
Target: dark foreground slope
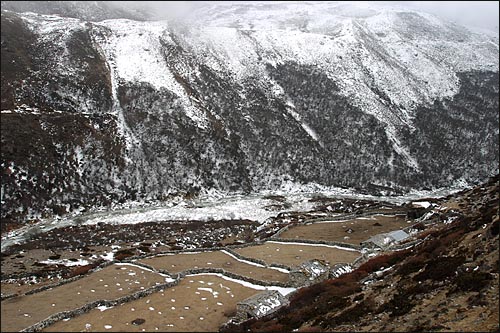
<point x="447" y="283"/>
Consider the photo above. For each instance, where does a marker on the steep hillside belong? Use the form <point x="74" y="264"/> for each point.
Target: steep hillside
<point x="95" y="111"/>
<point x="449" y="282"/>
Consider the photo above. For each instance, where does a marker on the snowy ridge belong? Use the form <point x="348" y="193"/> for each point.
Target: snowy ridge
<point x="358" y="46"/>
<point x="135" y="53"/>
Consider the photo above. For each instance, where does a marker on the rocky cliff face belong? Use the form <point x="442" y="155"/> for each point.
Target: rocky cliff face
<point x="95" y="112"/>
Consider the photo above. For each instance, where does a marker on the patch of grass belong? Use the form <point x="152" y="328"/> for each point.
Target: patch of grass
<point x="125" y="253"/>
<point x="350" y="315"/>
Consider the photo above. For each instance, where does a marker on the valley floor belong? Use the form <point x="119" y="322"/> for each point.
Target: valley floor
<point x="190" y="275"/>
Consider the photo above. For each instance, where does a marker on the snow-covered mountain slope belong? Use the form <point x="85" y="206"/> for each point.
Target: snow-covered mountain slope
<point x="241" y="97"/>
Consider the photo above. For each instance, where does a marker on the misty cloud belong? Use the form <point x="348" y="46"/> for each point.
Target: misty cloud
<point x="479" y="14"/>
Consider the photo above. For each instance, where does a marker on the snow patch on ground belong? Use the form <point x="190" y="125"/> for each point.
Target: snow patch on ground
<point x="65" y="262"/>
<point x="308" y="244"/>
<point x="424" y="204"/>
<point x="282" y="290"/>
<point x="167" y="277"/>
<point x="254" y="263"/>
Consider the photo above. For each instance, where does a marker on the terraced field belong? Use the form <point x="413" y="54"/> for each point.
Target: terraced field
<point x="109" y="283"/>
<point x="176" y="263"/>
<point x="347" y="231"/>
<point x="293" y="254"/>
<point x="200" y="303"/>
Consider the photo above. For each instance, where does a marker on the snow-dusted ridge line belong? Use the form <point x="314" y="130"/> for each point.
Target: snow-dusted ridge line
<point x="409" y="71"/>
<point x="135" y="54"/>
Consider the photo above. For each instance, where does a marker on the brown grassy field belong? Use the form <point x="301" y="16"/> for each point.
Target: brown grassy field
<point x="200" y="303"/>
<point x="14" y="287"/>
<point x="353" y="231"/>
<point x="109" y="283"/>
<point x="294" y="254"/>
<point x="215" y="259"/>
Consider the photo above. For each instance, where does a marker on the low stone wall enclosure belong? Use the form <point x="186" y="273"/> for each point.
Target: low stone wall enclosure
<point x="87" y="307"/>
<point x="179" y="276"/>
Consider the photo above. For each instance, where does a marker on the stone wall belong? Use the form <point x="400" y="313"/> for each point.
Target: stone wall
<point x="202" y="249"/>
<point x="398" y="247"/>
<point x="308" y="241"/>
<point x="64" y="281"/>
<point x="88" y="307"/>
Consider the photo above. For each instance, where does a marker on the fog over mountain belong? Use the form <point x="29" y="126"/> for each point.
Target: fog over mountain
<point x="480" y="14"/>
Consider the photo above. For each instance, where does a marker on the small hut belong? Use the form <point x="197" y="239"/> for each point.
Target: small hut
<point x="260" y="305"/>
<point x="309" y="272"/>
<point x="384" y="241"/>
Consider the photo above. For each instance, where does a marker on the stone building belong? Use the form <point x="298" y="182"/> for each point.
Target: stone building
<point x="309" y="272"/>
<point x="384" y="241"/>
<point x="340" y="269"/>
<point x="260" y="305"/>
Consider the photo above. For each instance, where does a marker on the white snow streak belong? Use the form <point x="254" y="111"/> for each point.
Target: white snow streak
<point x="283" y="291"/>
<point x="308" y="244"/>
<point x="254" y="263"/>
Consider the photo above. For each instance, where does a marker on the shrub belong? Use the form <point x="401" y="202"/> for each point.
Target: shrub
<point x="306" y="295"/>
<point x="412" y="265"/>
<point x="81" y="270"/>
<point x="440" y="268"/>
<point x="385" y="260"/>
<point x="274" y="327"/>
<point x="399" y="305"/>
<point x="310" y="329"/>
<point x="125" y="253"/>
<point x="419" y="226"/>
<point x="348" y="316"/>
<point x="477" y="300"/>
<point x="471" y="281"/>
<point x="494" y="228"/>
